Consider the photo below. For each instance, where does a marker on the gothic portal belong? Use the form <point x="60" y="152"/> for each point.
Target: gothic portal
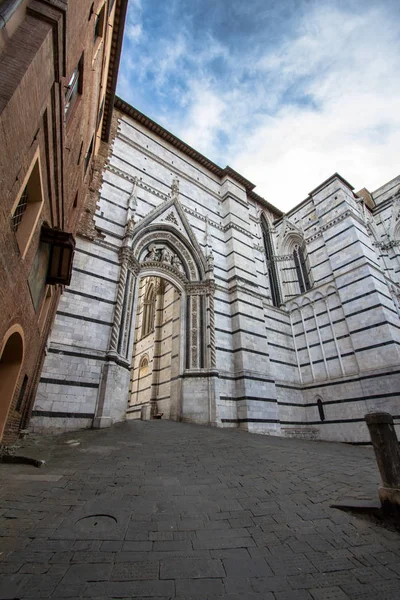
<point x="193" y="298"/>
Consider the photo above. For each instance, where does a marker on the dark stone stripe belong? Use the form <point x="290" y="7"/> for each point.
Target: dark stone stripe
<point x="286" y="348"/>
<point x="326" y="422"/>
<point x="108" y="260"/>
<point x="62" y="415"/>
<point x="217" y="312"/>
<point x="313" y="386"/>
<point x="339" y="233"/>
<point x="282" y="362"/>
<point x="354" y="281"/>
<point x="343" y="248"/>
<point x="241" y="331"/>
<point x="76" y="293"/>
<point x="253" y="398"/>
<point x="109" y="221"/>
<point x="331" y="208"/>
<point x="104" y="199"/>
<point x="95" y="275"/>
<point x="164" y="184"/>
<point x="374" y="326"/>
<point x="250" y="377"/>
<point x="117" y="187"/>
<point x="78" y="354"/>
<point x="82" y="318"/>
<point x="249" y="420"/>
<point x="357" y="312"/>
<point x="320" y="263"/>
<point x="388" y="343"/>
<point x="315" y="249"/>
<point x="342" y="400"/>
<point x="85" y="384"/>
<point x="241" y="350"/>
<point x="239" y="279"/>
<point x="279" y="332"/>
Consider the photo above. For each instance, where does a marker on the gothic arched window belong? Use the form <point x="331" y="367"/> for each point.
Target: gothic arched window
<point x="271" y="265"/>
<point x="149" y="305"/>
<point x="301" y="269"/>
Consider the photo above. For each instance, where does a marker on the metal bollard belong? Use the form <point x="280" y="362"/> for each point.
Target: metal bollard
<point x="387" y="453"/>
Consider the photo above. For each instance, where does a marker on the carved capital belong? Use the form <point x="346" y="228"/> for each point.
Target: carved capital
<point x="200" y="288"/>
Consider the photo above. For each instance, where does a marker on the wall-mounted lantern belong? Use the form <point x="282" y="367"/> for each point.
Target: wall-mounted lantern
<point x="62" y="247"/>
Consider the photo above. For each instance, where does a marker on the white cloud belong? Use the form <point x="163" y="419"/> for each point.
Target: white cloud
<point x="324" y="99"/>
<point x="353" y="126"/>
<point x="134" y="31"/>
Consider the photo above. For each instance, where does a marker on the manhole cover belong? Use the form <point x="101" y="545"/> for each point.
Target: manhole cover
<point x="97" y="522"/>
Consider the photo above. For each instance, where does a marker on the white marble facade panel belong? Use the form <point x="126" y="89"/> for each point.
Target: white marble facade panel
<point x="271" y="363"/>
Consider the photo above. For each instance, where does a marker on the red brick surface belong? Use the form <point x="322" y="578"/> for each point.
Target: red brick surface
<point x="32" y="88"/>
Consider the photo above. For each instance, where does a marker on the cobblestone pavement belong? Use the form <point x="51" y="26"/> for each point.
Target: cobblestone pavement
<point x="167" y="510"/>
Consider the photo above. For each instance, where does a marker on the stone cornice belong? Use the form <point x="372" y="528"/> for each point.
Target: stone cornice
<point x="115" y="55"/>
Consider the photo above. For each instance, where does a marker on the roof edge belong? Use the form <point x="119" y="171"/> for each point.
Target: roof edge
<point x="327" y="181"/>
<point x="172" y="139"/>
<point x="112" y="75"/>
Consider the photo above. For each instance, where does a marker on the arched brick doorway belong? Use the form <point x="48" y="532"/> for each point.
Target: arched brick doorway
<point x="11" y="357"/>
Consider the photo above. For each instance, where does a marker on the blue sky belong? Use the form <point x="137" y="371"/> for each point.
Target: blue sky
<point x="285" y="91"/>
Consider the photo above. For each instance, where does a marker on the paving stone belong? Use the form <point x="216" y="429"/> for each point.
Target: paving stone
<point x="93" y="557"/>
<point x="238" y="585"/>
<point x="191" y="568"/>
<point x="226" y="515"/>
<point x="132" y="571"/>
<point x="215" y="544"/>
<point x="293" y="595"/>
<point x="111" y="546"/>
<point x="12" y="586"/>
<point x="185" y="545"/>
<point x="270" y="584"/>
<point x="87" y="572"/>
<point x="199" y="588"/>
<point x="247" y="567"/>
<point x="329" y="593"/>
<point x="130" y="589"/>
<point x="237" y="553"/>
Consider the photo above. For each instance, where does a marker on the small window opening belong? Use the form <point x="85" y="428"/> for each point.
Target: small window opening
<point x="80" y="153"/>
<point x="99" y="24"/>
<point x="20" y="210"/>
<point x="301" y="269"/>
<point x="100" y="115"/>
<point x="149" y="306"/>
<point x="271" y="266"/>
<point x="27" y="208"/>
<point x="89" y="154"/>
<point x="321" y="409"/>
<point x="21" y="394"/>
<point x="74" y="89"/>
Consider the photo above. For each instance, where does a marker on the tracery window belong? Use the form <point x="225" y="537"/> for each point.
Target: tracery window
<point x="149" y="305"/>
<point x="271" y="266"/>
<point x="301" y="269"/>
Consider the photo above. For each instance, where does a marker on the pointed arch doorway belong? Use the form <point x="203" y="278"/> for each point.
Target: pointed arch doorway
<point x="160" y="263"/>
<point x="159" y="350"/>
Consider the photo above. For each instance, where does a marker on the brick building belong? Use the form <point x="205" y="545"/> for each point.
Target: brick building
<point x="58" y="67"/>
<point x="194" y="297"/>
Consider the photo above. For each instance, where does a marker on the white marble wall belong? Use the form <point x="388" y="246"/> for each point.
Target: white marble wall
<point x="337" y="342"/>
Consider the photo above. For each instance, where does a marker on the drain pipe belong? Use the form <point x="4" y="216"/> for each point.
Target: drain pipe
<point x="387" y="453"/>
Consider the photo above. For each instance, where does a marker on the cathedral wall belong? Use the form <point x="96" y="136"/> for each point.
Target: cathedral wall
<point x="310" y="367"/>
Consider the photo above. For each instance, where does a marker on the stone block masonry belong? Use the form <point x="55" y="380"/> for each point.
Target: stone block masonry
<point x="279" y="324"/>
